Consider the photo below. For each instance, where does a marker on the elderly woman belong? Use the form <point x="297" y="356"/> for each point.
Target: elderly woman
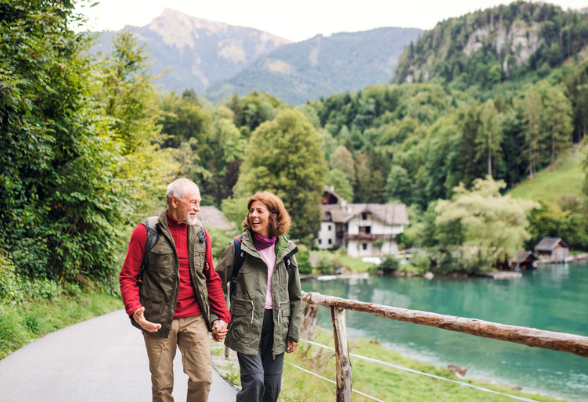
<point x="266" y="304"/>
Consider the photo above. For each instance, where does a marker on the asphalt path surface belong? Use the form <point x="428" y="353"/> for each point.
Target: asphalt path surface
<point x="102" y="359"/>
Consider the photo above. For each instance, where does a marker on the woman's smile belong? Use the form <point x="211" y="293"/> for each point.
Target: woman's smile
<point x="259" y="218"/>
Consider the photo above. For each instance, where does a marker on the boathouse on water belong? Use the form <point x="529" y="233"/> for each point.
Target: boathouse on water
<point x="552" y="249"/>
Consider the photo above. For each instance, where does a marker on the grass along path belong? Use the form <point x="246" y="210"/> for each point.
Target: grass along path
<point x="25" y="321"/>
<point x="379" y="381"/>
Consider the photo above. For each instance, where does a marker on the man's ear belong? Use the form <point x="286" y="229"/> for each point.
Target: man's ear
<point x="174" y="201"/>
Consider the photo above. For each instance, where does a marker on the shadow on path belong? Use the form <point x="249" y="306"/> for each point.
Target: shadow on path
<point x="102" y="359"/>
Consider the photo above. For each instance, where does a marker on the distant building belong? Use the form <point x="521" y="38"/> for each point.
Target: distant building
<point x="212" y="217"/>
<point x="524" y="260"/>
<point x="330" y="197"/>
<point x="553" y="249"/>
<point x="362" y="229"/>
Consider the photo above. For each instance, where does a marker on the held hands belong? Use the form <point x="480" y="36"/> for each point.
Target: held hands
<point x="148" y="326"/>
<point x="291" y="346"/>
<point x="220" y="330"/>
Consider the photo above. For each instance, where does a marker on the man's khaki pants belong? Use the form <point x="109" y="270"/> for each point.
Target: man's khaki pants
<point x="191" y="335"/>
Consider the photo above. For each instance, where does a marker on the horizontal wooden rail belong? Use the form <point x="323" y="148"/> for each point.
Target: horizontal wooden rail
<point x="559" y="341"/>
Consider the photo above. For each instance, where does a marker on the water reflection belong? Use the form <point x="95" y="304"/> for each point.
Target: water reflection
<point x="553" y="298"/>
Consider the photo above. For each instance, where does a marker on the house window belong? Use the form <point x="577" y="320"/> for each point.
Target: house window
<point x="320" y="241"/>
<point x="364" y="246"/>
<point x="329" y="228"/>
<point x="330" y="241"/>
<point x="365" y="229"/>
<point x="364" y="216"/>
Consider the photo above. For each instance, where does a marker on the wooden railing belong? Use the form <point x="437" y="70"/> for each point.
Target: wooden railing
<point x="574" y="344"/>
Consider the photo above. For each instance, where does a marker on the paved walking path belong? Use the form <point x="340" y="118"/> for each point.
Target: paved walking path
<point x="102" y="359"/>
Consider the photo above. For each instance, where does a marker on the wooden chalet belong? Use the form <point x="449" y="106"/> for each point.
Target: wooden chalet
<point x="523" y="261"/>
<point x="552" y="249"/>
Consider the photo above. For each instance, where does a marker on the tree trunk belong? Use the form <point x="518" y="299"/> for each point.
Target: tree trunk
<point x="552" y="150"/>
<point x="490" y="161"/>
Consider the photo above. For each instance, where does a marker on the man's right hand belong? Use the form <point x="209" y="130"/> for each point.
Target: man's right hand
<point x="148" y="326"/>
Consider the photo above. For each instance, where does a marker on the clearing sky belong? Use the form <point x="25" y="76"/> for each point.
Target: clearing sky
<point x="295" y="20"/>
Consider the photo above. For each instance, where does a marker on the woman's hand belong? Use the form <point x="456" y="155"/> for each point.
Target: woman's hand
<point x="291" y="346"/>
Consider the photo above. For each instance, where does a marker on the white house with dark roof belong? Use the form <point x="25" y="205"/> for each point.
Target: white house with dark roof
<point x="358" y="226"/>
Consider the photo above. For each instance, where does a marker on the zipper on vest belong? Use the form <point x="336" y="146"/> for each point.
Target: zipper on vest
<point x="252" y="311"/>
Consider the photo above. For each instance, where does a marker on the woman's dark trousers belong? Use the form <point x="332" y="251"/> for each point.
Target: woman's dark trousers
<point x="261" y="375"/>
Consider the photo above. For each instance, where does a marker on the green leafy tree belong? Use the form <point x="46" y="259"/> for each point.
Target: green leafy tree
<point x="398" y="185"/>
<point x="66" y="182"/>
<point x="337" y="179"/>
<point x="342" y="160"/>
<point x="490" y="134"/>
<point x="284" y="156"/>
<point x="488" y="220"/>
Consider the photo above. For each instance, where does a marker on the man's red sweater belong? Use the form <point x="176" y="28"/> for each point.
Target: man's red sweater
<point x="187" y="304"/>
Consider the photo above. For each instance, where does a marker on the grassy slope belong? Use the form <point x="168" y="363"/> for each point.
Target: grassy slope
<point x="21" y="323"/>
<point x="568" y="178"/>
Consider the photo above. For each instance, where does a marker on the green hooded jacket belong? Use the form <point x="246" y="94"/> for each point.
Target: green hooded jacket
<point x="247" y="304"/>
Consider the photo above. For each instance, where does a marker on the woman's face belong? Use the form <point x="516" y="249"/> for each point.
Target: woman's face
<point x="259" y="218"/>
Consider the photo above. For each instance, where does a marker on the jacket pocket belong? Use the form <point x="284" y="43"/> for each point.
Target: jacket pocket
<point x="284" y="317"/>
<point x="242" y="317"/>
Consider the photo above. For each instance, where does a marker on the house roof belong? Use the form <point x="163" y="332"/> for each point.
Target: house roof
<point x="523" y="255"/>
<point x="389" y="214"/>
<point x="212" y="217"/>
<point x="549" y="244"/>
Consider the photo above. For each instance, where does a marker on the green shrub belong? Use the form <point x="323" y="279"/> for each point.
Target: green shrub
<point x="421" y="262"/>
<point x="389" y="264"/>
<point x="303" y="260"/>
<point x="328" y="262"/>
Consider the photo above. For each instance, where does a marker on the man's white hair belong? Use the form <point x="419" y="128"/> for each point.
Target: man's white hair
<point x="179" y="188"/>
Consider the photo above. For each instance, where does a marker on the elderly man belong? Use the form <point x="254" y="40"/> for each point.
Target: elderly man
<point x="179" y="298"/>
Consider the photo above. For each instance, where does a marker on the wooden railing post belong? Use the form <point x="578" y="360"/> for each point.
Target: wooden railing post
<point x="344" y="380"/>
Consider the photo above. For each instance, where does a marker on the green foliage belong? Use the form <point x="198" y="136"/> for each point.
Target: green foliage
<point x="389" y="264"/>
<point x="303" y="260"/>
<point x="284" y="157"/>
<point x="235" y="209"/>
<point x="550" y="220"/>
<point x="488" y="220"/>
<point x="463" y="51"/>
<point x="220" y="239"/>
<point x="421" y="262"/>
<point x="61" y="196"/>
<point x="339" y="182"/>
<point x="470" y="260"/>
<point x="328" y="262"/>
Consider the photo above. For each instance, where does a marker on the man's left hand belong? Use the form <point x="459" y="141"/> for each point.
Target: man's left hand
<point x="291" y="346"/>
<point x="220" y="330"/>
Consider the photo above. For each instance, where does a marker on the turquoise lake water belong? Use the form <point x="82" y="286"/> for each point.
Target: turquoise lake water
<point x="553" y="298"/>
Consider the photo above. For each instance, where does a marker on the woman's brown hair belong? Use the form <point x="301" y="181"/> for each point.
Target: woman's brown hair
<point x="279" y="218"/>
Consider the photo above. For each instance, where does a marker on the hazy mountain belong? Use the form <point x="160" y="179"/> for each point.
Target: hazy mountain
<point x="197" y="51"/>
<point x="321" y="66"/>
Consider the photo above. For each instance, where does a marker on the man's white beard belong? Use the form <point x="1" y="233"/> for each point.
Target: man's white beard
<point x="190" y="219"/>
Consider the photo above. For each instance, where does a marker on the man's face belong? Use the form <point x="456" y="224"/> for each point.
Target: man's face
<point x="188" y="207"/>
